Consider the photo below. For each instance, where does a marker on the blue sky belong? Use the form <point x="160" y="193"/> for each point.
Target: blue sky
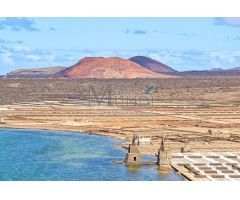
<point x="182" y="43"/>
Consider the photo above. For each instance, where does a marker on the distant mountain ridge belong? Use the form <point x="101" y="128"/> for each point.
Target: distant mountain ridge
<point x="230" y="69"/>
<point x="152" y="64"/>
<point x="235" y="69"/>
<point x="216" y="69"/>
<point x="35" y="72"/>
<point x="115" y="67"/>
<point x="213" y="72"/>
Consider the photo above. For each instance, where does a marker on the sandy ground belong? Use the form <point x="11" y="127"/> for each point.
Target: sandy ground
<point x="212" y="126"/>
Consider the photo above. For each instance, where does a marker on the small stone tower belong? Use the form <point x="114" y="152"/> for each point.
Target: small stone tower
<point x="1" y="120"/>
<point x="186" y="147"/>
<point x="163" y="159"/>
<point x="133" y="157"/>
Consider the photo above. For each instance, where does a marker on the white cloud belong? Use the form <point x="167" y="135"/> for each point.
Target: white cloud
<point x="33" y="57"/>
<point x="166" y="57"/>
<point x="18" y="24"/>
<point x="228" y="21"/>
<point x="21" y="48"/>
<point x="196" y="60"/>
<point x="7" y="58"/>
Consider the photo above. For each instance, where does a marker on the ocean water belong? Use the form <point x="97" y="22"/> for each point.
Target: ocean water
<point x="34" y="155"/>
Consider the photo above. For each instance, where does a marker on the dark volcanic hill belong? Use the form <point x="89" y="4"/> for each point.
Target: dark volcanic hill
<point x="34" y="73"/>
<point x="152" y="64"/>
<point x="100" y="67"/>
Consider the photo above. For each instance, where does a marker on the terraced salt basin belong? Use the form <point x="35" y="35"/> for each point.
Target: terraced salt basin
<point x="54" y="155"/>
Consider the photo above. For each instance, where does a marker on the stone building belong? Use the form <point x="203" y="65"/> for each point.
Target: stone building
<point x="143" y="140"/>
<point x="133" y="156"/>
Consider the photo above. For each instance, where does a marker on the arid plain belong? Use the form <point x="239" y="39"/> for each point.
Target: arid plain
<point x="205" y="112"/>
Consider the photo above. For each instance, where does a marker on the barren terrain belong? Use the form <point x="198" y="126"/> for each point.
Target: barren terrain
<point x="205" y="112"/>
